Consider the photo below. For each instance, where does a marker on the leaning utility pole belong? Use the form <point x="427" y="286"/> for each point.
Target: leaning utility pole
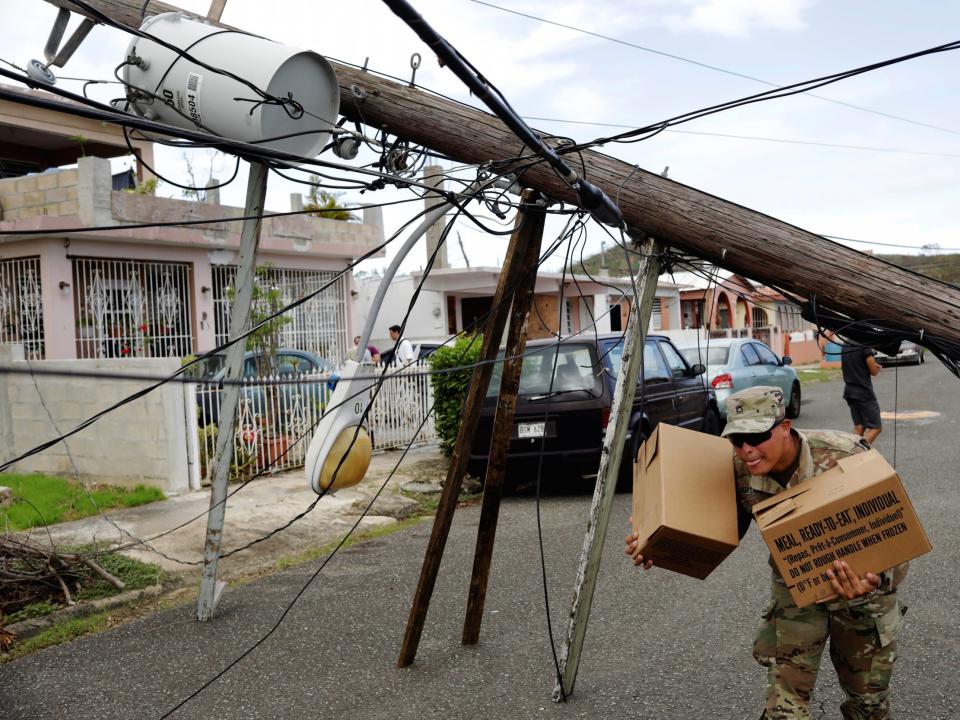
<point x="726" y="234"/>
<point x="210" y="587"/>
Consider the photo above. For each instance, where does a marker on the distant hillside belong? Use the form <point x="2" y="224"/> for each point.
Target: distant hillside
<point x="940" y="267"/>
<point x="945" y="268"/>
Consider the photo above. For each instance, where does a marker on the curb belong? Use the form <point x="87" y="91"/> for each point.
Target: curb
<point x="31" y="626"/>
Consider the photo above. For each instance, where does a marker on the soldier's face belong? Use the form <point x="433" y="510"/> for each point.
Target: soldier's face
<point x="774" y="454"/>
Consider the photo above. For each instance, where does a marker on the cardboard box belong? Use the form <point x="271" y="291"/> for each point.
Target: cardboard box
<point x="857" y="512"/>
<point x="684" y="500"/>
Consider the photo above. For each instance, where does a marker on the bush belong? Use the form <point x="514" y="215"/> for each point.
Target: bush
<point x="450" y="388"/>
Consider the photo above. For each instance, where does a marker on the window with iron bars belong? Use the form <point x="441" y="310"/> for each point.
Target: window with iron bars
<point x="21" y="308"/>
<point x="132" y="308"/>
<point x="759" y="317"/>
<point x="318" y="325"/>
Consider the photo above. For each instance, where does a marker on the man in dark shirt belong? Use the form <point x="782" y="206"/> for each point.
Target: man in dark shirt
<point x="859" y="366"/>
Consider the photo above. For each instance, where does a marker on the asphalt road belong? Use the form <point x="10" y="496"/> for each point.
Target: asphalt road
<point x="660" y="646"/>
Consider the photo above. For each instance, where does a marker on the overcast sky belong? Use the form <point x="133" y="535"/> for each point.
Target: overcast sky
<point x="553" y="72"/>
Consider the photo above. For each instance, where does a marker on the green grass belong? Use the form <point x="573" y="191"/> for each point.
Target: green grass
<point x="45" y="500"/>
<point x="808" y="376"/>
<point x="60" y="633"/>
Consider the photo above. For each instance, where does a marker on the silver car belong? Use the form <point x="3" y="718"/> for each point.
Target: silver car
<point x="909" y="353"/>
<point x="736" y="364"/>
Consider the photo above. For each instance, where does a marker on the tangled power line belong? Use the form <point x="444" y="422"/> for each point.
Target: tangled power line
<point x="385" y="171"/>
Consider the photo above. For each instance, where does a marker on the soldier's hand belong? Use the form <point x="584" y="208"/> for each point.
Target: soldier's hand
<point x="847" y="585"/>
<point x="633" y="550"/>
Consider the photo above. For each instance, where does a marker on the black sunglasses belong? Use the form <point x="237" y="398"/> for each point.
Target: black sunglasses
<point x="752" y="439"/>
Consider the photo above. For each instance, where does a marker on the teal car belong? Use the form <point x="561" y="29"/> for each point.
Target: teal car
<point x="734" y="364"/>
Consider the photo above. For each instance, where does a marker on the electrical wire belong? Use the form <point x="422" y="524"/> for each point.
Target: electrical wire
<point x="708" y="66"/>
<point x="353" y="528"/>
<point x="780" y="92"/>
<point x="788" y="141"/>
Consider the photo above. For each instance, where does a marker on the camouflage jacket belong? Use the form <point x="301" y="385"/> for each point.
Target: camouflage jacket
<point x="819" y="451"/>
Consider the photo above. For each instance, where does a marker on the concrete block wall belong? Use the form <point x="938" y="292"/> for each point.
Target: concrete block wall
<point x="143" y="442"/>
<point x="49" y="193"/>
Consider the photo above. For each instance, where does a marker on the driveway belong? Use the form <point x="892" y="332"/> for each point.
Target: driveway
<point x="660" y="646"/>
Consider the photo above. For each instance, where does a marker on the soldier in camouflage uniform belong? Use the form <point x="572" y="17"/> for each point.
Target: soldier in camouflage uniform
<point x="861" y="620"/>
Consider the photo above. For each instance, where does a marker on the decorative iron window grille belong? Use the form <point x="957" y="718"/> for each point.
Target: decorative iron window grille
<point x="21" y="306"/>
<point x="318" y="325"/>
<point x="132" y="308"/>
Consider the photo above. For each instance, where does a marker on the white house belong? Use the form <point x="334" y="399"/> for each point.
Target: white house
<point x="455" y="299"/>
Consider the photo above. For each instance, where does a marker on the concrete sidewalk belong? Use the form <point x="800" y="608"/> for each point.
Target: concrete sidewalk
<point x="255" y="510"/>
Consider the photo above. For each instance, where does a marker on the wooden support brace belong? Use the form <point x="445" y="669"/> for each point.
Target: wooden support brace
<point x="532" y="229"/>
<point x="510" y="276"/>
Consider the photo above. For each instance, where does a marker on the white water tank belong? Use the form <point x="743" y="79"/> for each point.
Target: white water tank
<point x="162" y="80"/>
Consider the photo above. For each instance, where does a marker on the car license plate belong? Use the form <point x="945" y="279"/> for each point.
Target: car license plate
<point x="530" y="430"/>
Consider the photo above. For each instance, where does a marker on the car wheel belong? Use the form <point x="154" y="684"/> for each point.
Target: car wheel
<point x="793" y="407"/>
<point x="711" y="422"/>
<point x="477" y="468"/>
<point x="625" y="476"/>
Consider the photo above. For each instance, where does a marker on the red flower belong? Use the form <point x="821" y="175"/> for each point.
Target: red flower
<point x="124" y="350"/>
<point x="143" y="328"/>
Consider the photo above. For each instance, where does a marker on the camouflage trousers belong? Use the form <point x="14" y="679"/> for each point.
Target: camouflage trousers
<point x="863" y="649"/>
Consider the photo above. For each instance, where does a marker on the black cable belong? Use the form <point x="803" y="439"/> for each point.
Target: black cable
<point x="708" y="66"/>
<point x="784" y="91"/>
<point x="591" y="197"/>
<point x="183" y="368"/>
<point x="281" y="455"/>
<point x="250" y="151"/>
<point x="352" y="529"/>
<point x="787" y="141"/>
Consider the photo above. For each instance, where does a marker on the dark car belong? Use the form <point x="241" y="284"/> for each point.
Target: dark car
<point x="566" y="418"/>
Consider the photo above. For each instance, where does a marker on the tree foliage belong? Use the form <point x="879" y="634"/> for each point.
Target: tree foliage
<point x="267" y="300"/>
<point x="326" y="204"/>
<point x="450" y="388"/>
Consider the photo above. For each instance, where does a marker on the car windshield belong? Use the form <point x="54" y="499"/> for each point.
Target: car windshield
<point x="714" y="355"/>
<point x="575" y="372"/>
<point x="207" y="367"/>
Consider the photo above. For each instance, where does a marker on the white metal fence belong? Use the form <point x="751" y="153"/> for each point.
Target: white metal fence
<point x="132" y="308"/>
<point x="21" y="308"/>
<point x="276" y="417"/>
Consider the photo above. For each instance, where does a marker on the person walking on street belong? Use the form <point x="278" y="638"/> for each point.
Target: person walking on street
<point x="863" y="617"/>
<point x="404" y="354"/>
<point x="859" y="364"/>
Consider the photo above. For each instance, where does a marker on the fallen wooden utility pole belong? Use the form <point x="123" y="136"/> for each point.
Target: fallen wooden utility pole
<point x="734" y="237"/>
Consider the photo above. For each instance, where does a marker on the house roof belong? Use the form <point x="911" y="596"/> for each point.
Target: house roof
<point x="482" y="276"/>
<point x="34" y="139"/>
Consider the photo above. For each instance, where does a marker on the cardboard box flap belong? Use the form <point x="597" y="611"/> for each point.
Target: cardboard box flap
<point x="875" y="463"/>
<point x="650" y="448"/>
<point x="769" y="515"/>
